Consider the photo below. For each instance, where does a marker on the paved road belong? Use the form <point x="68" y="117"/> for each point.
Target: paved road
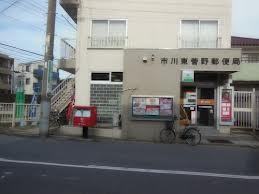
<point x="31" y="165"/>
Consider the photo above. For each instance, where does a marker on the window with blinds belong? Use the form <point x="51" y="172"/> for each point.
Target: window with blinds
<point x="108" y="33"/>
<point x="199" y="34"/>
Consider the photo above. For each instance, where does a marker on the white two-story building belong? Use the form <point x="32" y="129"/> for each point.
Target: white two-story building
<point x="153" y="49"/>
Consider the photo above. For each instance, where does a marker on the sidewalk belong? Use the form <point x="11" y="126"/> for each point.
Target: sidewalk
<point x="21" y="131"/>
<point x="222" y="139"/>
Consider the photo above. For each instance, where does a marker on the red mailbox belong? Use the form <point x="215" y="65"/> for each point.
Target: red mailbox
<point x="85" y="116"/>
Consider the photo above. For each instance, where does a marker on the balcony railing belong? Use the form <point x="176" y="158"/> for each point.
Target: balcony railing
<point x="216" y="43"/>
<point x="107" y="42"/>
<point x="67" y="47"/>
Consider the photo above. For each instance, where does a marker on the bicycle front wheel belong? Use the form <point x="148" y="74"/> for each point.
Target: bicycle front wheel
<point x="167" y="136"/>
<point x="193" y="136"/>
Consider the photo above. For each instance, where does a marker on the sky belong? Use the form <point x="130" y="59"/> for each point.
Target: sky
<point x="23" y="25"/>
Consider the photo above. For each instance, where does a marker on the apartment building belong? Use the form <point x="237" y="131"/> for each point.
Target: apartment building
<point x="133" y="56"/>
<point x="30" y="77"/>
<point x="6" y="72"/>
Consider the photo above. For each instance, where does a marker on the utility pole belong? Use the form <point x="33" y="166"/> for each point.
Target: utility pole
<point x="48" y="65"/>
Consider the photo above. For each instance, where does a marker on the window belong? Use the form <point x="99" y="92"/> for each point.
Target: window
<point x="250" y="57"/>
<point x="199" y="34"/>
<point x="100" y="76"/>
<point x="27" y="68"/>
<point x="117" y="77"/>
<point x="27" y="81"/>
<point x="107" y="77"/>
<point x="105" y="28"/>
<point x="108" y="33"/>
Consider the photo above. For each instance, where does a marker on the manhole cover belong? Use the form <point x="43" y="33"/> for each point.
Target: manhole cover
<point x="219" y="141"/>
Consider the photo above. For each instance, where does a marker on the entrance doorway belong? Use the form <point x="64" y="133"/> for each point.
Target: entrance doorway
<point x="206" y="107"/>
<point x="200" y="105"/>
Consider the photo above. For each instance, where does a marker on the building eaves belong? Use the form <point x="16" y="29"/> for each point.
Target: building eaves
<point x="244" y="42"/>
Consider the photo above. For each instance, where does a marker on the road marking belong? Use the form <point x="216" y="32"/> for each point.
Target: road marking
<point x="141" y="170"/>
<point x="8" y="173"/>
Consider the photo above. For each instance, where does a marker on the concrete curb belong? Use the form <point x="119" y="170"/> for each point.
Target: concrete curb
<point x="105" y="139"/>
<point x="98" y="139"/>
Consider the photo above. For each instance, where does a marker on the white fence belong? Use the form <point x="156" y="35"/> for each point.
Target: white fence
<point x="246" y="109"/>
<point x="11" y="113"/>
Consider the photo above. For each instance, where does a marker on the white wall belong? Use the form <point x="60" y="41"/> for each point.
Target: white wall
<point x="151" y="24"/>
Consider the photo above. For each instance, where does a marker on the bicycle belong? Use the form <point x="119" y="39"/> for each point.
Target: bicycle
<point x="190" y="134"/>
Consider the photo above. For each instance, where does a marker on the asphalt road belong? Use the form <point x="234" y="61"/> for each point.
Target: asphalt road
<point x="32" y="165"/>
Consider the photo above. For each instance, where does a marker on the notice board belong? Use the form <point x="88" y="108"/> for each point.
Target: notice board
<point x="152" y="107"/>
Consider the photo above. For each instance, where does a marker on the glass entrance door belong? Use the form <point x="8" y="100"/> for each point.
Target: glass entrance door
<point x="206" y="103"/>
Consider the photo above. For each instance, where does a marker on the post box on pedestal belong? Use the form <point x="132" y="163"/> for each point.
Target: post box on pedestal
<point x="84" y="116"/>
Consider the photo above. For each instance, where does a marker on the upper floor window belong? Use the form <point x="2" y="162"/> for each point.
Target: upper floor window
<point x="250" y="57"/>
<point x="27" y="68"/>
<point x="107" y="77"/>
<point x="199" y="34"/>
<point x="100" y="77"/>
<point x="27" y="81"/>
<point x="108" y="34"/>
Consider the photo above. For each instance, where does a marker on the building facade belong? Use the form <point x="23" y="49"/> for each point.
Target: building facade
<point x="125" y="49"/>
<point x="247" y="78"/>
<point x="6" y="72"/>
<point x="30" y="77"/>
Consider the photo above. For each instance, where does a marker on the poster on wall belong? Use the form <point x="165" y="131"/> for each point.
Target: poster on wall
<point x="166" y="108"/>
<point x="152" y="107"/>
<point x="226" y="106"/>
<point x="139" y="106"/>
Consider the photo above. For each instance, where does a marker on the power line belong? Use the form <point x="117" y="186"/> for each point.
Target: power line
<point x="17" y="51"/>
<point x="17" y="56"/>
<point x="35" y="5"/>
<point x="24" y="50"/>
<point x="33" y="8"/>
<point x="18" y="20"/>
<point x="12" y="4"/>
<point x="69" y="22"/>
<point x="30" y="9"/>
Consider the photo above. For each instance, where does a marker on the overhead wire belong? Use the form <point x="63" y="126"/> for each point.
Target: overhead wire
<point x="9" y="6"/>
<point x="18" y="52"/>
<point x="24" y="50"/>
<point x="24" y="5"/>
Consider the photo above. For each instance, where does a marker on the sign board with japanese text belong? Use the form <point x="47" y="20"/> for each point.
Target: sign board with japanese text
<point x="223" y="60"/>
<point x="152" y="107"/>
<point x="226" y="107"/>
<point x="188" y="76"/>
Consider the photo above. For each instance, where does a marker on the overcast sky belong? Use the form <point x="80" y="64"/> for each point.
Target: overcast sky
<point x="23" y="25"/>
<point x="245" y="18"/>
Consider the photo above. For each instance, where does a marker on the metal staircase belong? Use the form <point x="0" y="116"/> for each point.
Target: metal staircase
<point x="62" y="94"/>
